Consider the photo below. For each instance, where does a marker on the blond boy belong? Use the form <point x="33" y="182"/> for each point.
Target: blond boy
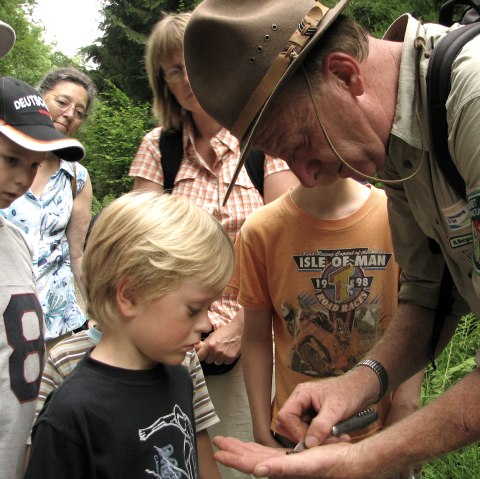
<point x="153" y="265"/>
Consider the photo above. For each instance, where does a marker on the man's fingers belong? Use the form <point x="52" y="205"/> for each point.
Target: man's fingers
<point x="242" y="455"/>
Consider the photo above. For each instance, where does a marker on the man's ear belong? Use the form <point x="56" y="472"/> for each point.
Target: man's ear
<point x="347" y="69"/>
<point x="126" y="298"/>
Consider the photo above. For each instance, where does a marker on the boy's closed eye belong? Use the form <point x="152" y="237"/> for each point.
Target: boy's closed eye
<point x="192" y="311"/>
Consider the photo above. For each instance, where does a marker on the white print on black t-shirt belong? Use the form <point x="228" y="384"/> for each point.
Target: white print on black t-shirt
<point x="166" y="458"/>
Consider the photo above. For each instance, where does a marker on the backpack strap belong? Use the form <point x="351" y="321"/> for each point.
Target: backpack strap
<point x="438" y="89"/>
<point x="171" y="151"/>
<point x="254" y="164"/>
<point x="73" y="181"/>
<point x="469" y="14"/>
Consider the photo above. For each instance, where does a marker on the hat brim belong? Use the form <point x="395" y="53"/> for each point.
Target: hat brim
<point x="246" y="141"/>
<point x="44" y="138"/>
<point x="7" y="38"/>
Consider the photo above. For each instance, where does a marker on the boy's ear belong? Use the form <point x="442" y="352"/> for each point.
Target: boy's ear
<point x="126" y="298"/>
<point x="347" y="69"/>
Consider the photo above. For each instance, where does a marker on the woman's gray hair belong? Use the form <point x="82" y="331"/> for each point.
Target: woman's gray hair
<point x="69" y="74"/>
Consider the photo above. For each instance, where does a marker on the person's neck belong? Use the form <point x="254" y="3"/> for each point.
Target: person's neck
<point x="381" y="73"/>
<point x="205" y="127"/>
<point x="335" y="201"/>
<point x="118" y="351"/>
<point x="50" y="165"/>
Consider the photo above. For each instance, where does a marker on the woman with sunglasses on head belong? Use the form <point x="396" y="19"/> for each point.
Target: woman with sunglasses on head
<point x="56" y="211"/>
<point x="209" y="154"/>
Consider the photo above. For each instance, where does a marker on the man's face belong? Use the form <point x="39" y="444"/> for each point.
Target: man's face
<point x="296" y="136"/>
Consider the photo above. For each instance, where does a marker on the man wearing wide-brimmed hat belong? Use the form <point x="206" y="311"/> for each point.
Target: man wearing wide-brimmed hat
<point x="303" y="82"/>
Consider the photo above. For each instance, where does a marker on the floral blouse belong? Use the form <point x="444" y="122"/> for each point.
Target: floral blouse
<point x="44" y="219"/>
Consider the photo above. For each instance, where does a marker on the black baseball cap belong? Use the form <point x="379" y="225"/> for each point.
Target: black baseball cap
<point x="25" y="119"/>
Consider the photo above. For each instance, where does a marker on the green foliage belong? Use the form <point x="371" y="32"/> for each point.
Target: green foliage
<point x="455" y="362"/>
<point x="111" y="137"/>
<point x="377" y="16"/>
<point x="119" y="53"/>
<point x="30" y="57"/>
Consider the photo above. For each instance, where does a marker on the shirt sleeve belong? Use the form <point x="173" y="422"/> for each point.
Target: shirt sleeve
<point x="274" y="165"/>
<point x="51" y="379"/>
<point x="205" y="415"/>
<point x="421" y="269"/>
<point x="252" y="281"/>
<point x="146" y="163"/>
<point x="54" y="455"/>
<point x="224" y="309"/>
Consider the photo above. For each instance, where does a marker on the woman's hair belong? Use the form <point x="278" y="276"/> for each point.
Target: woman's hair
<point x="69" y="74"/>
<point x="154" y="241"/>
<point x="165" y="40"/>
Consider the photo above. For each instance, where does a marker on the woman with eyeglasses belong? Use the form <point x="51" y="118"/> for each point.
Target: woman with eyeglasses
<point x="56" y="211"/>
<point x="209" y="154"/>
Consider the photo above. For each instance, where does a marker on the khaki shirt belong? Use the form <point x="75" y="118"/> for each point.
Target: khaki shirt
<point x="426" y="206"/>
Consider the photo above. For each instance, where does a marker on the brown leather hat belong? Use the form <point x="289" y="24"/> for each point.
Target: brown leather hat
<point x="7" y="38"/>
<point x="238" y="53"/>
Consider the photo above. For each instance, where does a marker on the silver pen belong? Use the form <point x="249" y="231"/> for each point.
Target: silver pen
<point x="360" y="420"/>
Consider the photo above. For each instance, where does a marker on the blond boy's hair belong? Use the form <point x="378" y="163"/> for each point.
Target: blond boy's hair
<point x="155" y="241"/>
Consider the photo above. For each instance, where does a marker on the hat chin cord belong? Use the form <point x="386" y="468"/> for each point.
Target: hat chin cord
<point x="337" y="155"/>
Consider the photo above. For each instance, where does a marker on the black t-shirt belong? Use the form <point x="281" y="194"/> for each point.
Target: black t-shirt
<point x="107" y="422"/>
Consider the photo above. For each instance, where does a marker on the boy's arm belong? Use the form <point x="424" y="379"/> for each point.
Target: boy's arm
<point x="406" y="399"/>
<point x="52" y="377"/>
<point x="257" y="360"/>
<point x="206" y="463"/>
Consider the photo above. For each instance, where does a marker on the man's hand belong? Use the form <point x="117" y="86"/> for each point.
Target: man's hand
<point x="335" y="461"/>
<point x="314" y="407"/>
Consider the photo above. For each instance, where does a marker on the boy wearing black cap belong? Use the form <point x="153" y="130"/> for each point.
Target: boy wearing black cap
<point x="26" y="134"/>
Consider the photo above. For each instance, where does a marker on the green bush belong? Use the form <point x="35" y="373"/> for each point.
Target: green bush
<point x="111" y="137"/>
<point x="456" y="361"/>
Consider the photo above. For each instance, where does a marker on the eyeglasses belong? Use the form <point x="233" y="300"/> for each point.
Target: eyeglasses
<point x="175" y="74"/>
<point x="65" y="104"/>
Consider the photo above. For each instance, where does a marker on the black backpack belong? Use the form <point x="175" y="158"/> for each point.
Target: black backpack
<point x="439" y="84"/>
<point x="438" y="88"/>
<point x="171" y="150"/>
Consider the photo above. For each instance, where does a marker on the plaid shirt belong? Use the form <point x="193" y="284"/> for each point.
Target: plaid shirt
<point x="206" y="186"/>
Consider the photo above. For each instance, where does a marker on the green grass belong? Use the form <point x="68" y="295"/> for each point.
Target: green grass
<point x="455" y="361"/>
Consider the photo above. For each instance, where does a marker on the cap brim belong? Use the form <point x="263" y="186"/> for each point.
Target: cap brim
<point x="7" y="38"/>
<point x="44" y="139"/>
<point x="246" y="142"/>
